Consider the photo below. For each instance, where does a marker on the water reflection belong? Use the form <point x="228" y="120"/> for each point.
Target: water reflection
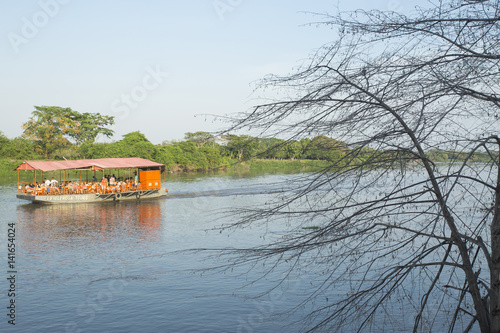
<point x="141" y="219"/>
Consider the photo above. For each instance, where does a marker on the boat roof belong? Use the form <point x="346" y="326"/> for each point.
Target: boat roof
<point x="89" y="164"/>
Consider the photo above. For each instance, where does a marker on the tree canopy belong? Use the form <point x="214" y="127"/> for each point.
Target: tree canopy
<point x="90" y="125"/>
<point x="200" y="137"/>
<point x="52" y="127"/>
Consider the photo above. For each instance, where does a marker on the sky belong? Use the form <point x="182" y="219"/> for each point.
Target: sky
<point x="161" y="67"/>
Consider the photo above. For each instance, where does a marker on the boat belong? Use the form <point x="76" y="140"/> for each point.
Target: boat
<point x="137" y="179"/>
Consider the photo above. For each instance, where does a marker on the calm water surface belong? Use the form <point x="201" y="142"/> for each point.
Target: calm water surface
<point x="114" y="267"/>
<point x="120" y="267"/>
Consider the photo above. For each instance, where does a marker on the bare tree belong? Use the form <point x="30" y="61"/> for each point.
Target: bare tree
<point x="387" y="217"/>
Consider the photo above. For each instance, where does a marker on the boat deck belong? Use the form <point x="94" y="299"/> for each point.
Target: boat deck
<point x="94" y="197"/>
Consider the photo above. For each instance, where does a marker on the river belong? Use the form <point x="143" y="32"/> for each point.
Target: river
<point x="123" y="267"/>
<point x="120" y="267"/>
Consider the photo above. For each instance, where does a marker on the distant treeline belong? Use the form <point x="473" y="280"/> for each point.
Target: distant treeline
<point x="202" y="151"/>
<point x="57" y="133"/>
<point x="198" y="151"/>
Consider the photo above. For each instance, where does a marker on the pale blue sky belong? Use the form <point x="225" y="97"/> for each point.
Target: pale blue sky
<point x="153" y="64"/>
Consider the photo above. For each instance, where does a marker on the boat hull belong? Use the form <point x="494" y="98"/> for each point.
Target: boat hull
<point x="95" y="197"/>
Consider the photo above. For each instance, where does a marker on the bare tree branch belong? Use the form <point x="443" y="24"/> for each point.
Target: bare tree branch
<point x="388" y="217"/>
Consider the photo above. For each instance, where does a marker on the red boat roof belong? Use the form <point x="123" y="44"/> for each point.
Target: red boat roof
<point x="93" y="164"/>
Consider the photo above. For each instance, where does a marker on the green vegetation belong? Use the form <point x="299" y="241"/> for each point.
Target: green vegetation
<point x="50" y="128"/>
<point x="57" y="133"/>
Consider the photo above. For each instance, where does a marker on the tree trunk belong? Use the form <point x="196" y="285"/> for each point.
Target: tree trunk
<point x="495" y="261"/>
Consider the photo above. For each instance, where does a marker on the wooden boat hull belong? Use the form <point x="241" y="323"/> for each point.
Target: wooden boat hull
<point x="95" y="197"/>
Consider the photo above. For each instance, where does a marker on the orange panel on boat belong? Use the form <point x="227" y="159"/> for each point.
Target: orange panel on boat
<point x="150" y="179"/>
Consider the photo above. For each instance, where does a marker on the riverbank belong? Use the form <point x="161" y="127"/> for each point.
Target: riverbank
<point x="284" y="166"/>
<point x="254" y="165"/>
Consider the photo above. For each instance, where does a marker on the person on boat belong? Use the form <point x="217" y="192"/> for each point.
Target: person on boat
<point x="53" y="182"/>
<point x="112" y="180"/>
<point x="67" y="187"/>
<point x="47" y="182"/>
<point x="94" y="179"/>
<point x="103" y="184"/>
<point x="119" y="185"/>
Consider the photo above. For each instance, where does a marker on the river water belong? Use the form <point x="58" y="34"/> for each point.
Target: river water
<point x="119" y="267"/>
<point x="123" y="267"/>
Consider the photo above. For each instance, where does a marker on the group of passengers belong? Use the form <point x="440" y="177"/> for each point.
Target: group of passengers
<point x="108" y="184"/>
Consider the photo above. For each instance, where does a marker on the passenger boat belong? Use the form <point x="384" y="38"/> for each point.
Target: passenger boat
<point x="137" y="179"/>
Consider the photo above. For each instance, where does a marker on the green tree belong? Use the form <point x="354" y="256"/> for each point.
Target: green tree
<point x="293" y="149"/>
<point x="325" y="148"/>
<point x="241" y="146"/>
<point x="133" y="138"/>
<point x="269" y="148"/>
<point x="200" y="138"/>
<point x="165" y="155"/>
<point x="94" y="150"/>
<point x="90" y="125"/>
<point x="18" y="148"/>
<point x="51" y="127"/>
<point x="4" y="142"/>
<point x="133" y="144"/>
<point x="213" y="156"/>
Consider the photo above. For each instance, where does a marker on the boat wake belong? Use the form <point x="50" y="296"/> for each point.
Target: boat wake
<point x="225" y="193"/>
